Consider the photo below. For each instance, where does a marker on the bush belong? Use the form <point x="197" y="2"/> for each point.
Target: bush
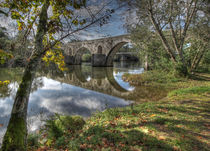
<point x="57" y="126"/>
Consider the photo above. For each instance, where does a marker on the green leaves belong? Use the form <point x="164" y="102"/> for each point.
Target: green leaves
<point x="26" y="12"/>
<point x="15" y="15"/>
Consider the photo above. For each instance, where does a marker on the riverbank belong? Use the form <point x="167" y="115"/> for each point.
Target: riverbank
<point x="179" y="121"/>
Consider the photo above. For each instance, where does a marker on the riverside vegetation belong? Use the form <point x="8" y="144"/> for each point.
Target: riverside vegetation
<point x="177" y="122"/>
<point x="168" y="35"/>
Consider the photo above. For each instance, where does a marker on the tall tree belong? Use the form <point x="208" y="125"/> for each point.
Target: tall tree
<point x="52" y="20"/>
<point x="171" y="20"/>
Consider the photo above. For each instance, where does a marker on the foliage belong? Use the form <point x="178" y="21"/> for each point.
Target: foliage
<point x="33" y="140"/>
<point x="4" y="39"/>
<point x="56" y="57"/>
<point x="168" y="24"/>
<point x="21" y="47"/>
<point x="4" y="56"/>
<point x="4" y="89"/>
<point x="58" y="129"/>
<point x="4" y="82"/>
<point x="148" y="44"/>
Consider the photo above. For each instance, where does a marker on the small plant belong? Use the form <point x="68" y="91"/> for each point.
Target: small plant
<point x="60" y="142"/>
<point x="60" y="128"/>
<point x="33" y="140"/>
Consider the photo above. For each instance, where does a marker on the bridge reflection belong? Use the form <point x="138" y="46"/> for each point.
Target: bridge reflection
<point x="108" y="80"/>
<point x="94" y="78"/>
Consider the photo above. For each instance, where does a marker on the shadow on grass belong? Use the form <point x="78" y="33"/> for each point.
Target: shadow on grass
<point x="177" y="128"/>
<point x="199" y="77"/>
<point x="98" y="138"/>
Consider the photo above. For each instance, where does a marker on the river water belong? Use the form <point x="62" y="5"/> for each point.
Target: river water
<point x="81" y="90"/>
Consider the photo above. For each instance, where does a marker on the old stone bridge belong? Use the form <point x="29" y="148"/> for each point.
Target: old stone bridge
<point x="102" y="50"/>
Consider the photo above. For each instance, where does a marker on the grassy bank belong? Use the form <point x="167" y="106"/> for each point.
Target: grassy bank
<point x="179" y="122"/>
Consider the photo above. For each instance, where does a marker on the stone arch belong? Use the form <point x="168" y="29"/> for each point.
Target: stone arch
<point x="69" y="51"/>
<point x="78" y="55"/>
<point x="100" y="49"/>
<point x="113" y="51"/>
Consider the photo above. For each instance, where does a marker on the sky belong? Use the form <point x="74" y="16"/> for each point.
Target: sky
<point x="114" y="27"/>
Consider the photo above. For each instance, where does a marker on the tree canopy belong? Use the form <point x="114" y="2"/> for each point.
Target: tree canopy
<point x="175" y="23"/>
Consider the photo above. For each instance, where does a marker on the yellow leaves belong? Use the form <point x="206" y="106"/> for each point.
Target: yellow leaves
<point x="75" y="22"/>
<point x="20" y="28"/>
<point x="15" y="15"/>
<point x="180" y="126"/>
<point x="152" y="115"/>
<point x="49" y="142"/>
<point x="56" y="57"/>
<point x="161" y="137"/>
<point x="4" y="83"/>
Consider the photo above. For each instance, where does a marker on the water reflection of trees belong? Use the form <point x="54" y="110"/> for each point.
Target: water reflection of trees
<point x="14" y="76"/>
<point x="5" y="91"/>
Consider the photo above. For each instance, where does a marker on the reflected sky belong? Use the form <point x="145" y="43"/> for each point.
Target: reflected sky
<point x="57" y="97"/>
<point x="121" y="68"/>
<point x="54" y="94"/>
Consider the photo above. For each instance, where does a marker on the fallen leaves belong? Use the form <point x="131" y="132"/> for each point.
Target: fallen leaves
<point x="153" y="115"/>
<point x="199" y="137"/>
<point x="144" y="129"/>
<point x="163" y="110"/>
<point x="161" y="137"/>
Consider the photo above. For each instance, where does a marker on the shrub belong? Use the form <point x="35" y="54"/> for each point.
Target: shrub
<point x="56" y="127"/>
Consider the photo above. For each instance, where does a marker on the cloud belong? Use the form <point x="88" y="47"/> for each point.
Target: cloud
<point x="114" y="27"/>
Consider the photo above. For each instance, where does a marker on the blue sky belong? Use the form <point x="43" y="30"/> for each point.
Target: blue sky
<point x="115" y="24"/>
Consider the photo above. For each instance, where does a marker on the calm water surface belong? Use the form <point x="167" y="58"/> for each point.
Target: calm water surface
<point x="81" y="90"/>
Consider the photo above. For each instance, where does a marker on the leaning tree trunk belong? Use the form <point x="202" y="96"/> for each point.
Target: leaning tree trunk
<point x="15" y="138"/>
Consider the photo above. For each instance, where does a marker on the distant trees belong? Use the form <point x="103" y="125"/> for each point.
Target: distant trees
<point x="169" y="26"/>
<point x="4" y="46"/>
<point x="4" y="39"/>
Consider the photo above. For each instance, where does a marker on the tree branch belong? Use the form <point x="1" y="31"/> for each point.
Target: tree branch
<point x="159" y="31"/>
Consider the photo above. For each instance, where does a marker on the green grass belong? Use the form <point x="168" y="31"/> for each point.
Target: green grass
<point x="178" y="122"/>
<point x="155" y="76"/>
<point x="193" y="90"/>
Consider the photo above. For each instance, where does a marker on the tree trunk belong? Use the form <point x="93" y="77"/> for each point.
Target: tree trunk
<point x="160" y="34"/>
<point x="197" y="59"/>
<point x="15" y="138"/>
<point x="146" y="65"/>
